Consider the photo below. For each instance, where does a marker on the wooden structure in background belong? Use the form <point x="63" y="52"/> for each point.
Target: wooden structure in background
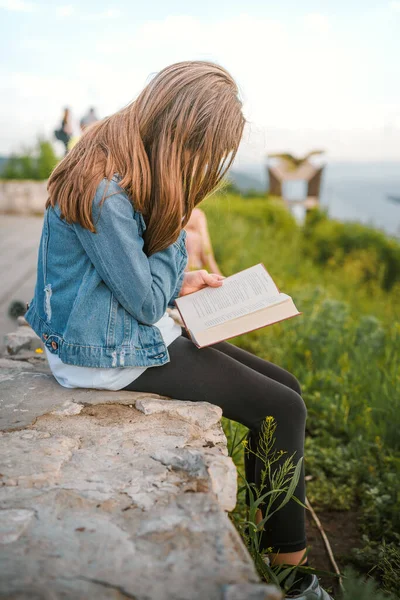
<point x="289" y="168"/>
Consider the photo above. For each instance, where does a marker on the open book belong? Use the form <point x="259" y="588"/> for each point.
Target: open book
<point x="246" y="301"/>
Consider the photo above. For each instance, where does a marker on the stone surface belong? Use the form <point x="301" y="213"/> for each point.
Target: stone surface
<point x="68" y="408"/>
<point x="245" y="591"/>
<point x="13" y="523"/>
<point x="204" y="465"/>
<point x="199" y="413"/>
<point x="22" y="322"/>
<point x="20" y="382"/>
<point x="23" y="197"/>
<point x="14" y="365"/>
<point x="23" y="339"/>
<point x="112" y="495"/>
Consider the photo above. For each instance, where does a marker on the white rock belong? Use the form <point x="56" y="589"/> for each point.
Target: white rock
<point x="217" y="472"/>
<point x="68" y="408"/>
<point x="248" y="591"/>
<point x="13" y="523"/>
<point x="32" y="458"/>
<point x="23" y="339"/>
<point x="223" y="477"/>
<point x="112" y="501"/>
<point x="201" y="414"/>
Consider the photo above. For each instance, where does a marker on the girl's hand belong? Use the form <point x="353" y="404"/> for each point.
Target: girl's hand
<point x="196" y="280"/>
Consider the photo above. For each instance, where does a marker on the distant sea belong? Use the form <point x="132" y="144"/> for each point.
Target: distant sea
<point x="354" y="191"/>
<point x="361" y="192"/>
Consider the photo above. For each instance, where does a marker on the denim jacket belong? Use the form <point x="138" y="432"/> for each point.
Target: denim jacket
<point x="98" y="295"/>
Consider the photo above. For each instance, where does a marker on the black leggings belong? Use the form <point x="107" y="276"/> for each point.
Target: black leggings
<point x="248" y="389"/>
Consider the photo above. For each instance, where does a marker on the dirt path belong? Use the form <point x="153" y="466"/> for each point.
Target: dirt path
<point x="343" y="534"/>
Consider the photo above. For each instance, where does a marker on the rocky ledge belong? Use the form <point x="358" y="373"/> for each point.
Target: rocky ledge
<point x="114" y="495"/>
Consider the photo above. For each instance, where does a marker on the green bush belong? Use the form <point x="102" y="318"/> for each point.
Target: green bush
<point x="33" y="164"/>
<point x="46" y="160"/>
<point x="359" y="588"/>
<point x="255" y="209"/>
<point x="19" y="167"/>
<point x="335" y="243"/>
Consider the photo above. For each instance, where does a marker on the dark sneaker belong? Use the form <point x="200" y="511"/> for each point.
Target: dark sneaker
<point x="310" y="590"/>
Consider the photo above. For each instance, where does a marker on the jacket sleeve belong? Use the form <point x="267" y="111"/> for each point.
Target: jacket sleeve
<point x="142" y="285"/>
<point x="178" y="288"/>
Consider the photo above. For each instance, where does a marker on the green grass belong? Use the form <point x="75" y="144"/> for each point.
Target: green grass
<point x="344" y="349"/>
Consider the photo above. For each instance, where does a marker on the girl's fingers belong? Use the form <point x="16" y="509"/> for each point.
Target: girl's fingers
<point x="213" y="280"/>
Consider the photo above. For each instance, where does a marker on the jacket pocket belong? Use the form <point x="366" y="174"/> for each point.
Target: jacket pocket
<point x="47" y="289"/>
<point x="45" y="244"/>
<point x="112" y="321"/>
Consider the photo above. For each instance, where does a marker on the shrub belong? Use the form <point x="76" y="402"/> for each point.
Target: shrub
<point x="46" y="160"/>
<point x="329" y="241"/>
<point x="359" y="588"/>
<point x="33" y="164"/>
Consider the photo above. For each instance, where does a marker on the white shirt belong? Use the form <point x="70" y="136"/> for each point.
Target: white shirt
<point x="72" y="376"/>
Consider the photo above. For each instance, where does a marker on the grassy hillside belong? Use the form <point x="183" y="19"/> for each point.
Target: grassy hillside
<point x="344" y="349"/>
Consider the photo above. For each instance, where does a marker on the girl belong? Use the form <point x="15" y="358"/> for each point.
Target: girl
<point x="112" y="259"/>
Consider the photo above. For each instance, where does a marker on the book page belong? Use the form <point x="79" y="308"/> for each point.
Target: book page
<point x="261" y="318"/>
<point x="241" y="294"/>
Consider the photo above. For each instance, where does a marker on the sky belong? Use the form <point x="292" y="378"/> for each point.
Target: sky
<point x="312" y="74"/>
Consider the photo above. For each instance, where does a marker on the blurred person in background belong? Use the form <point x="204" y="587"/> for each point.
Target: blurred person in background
<point x="199" y="250"/>
<point x="65" y="132"/>
<point x="112" y="258"/>
<point x="198" y="244"/>
<point x="88" y="119"/>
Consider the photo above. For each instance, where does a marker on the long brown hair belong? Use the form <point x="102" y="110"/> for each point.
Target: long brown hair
<point x="172" y="147"/>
